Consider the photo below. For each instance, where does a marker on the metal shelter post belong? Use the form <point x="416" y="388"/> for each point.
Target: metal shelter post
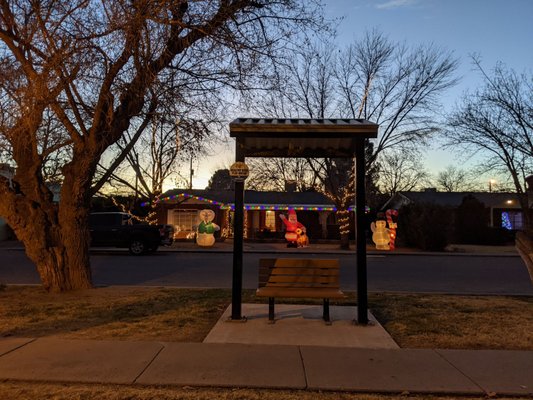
<point x="360" y="203"/>
<point x="238" y="222"/>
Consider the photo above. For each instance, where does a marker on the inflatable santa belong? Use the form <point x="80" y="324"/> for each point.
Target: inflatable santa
<point x="295" y="231"/>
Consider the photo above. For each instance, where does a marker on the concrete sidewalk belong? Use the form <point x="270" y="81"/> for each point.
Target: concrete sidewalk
<point x="268" y="366"/>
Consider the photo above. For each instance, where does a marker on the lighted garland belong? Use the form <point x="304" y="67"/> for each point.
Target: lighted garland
<point x="186" y="195"/>
<point x="343" y="208"/>
<point x="151" y="218"/>
<point x="259" y="207"/>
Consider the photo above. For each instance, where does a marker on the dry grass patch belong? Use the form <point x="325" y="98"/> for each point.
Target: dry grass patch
<point x="456" y="322"/>
<point x="187" y="315"/>
<point x="36" y="391"/>
<point x="112" y="313"/>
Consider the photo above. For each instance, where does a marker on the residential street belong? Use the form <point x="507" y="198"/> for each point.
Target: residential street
<point x="448" y="273"/>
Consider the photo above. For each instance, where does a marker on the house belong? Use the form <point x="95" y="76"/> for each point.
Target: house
<point x="505" y="210"/>
<point x="180" y="207"/>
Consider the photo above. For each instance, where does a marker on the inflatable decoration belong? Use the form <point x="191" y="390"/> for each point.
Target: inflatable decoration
<point x="205" y="232"/>
<point x="296" y="232"/>
<point x="380" y="234"/>
<point x="392" y="217"/>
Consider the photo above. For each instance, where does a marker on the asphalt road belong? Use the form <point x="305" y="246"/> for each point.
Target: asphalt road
<point x="464" y="274"/>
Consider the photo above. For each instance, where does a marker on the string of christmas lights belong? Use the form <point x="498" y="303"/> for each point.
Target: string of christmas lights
<point x="260" y="207"/>
<point x="187" y="195"/>
<point x="151" y="217"/>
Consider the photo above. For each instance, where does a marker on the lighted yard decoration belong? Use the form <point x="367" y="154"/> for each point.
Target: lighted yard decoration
<point x="380" y="234"/>
<point x="392" y="217"/>
<point x="295" y="230"/>
<point x="303" y="240"/>
<point x="205" y="236"/>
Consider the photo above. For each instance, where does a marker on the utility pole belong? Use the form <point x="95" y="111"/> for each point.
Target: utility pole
<point x="191" y="174"/>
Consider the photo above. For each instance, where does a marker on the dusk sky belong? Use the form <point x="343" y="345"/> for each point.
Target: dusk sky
<point x="496" y="30"/>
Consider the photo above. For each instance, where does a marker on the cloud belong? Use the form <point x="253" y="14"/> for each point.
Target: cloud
<point x="395" y="4"/>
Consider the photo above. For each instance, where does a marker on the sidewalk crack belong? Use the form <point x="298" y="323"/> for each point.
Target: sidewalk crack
<point x="149" y="364"/>
<point x="461" y="372"/>
<point x="303" y="366"/>
<point x="18" y="347"/>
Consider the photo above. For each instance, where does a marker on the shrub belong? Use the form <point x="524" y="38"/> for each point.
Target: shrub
<point x="471" y="221"/>
<point x="426" y="226"/>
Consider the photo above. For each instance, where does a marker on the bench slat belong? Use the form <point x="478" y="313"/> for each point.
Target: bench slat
<point x="317" y="293"/>
<point x="298" y="271"/>
<point x="298" y="262"/>
<point x="282" y="285"/>
<point x="300" y="278"/>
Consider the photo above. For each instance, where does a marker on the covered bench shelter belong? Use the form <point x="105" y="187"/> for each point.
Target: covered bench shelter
<point x="316" y="138"/>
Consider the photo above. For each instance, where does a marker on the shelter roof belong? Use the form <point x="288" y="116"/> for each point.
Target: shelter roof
<point x="297" y="137"/>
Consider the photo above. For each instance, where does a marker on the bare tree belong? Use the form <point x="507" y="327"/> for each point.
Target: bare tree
<point x="401" y="170"/>
<point x="496" y="123"/>
<point x="158" y="155"/>
<point x="394" y="86"/>
<point x="93" y="65"/>
<point x="271" y="174"/>
<point x="374" y="79"/>
<point x="453" y="179"/>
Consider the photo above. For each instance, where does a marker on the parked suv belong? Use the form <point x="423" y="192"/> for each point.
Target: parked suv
<point x="117" y="229"/>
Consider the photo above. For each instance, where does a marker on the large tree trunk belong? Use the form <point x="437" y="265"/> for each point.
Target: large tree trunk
<point x="345" y="241"/>
<point x="59" y="249"/>
<point x="55" y="236"/>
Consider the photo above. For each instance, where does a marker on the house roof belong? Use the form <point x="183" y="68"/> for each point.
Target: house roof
<point x="297" y="137"/>
<point x="453" y="199"/>
<point x="251" y="197"/>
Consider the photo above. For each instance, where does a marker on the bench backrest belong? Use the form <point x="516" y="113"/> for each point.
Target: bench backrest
<point x="299" y="273"/>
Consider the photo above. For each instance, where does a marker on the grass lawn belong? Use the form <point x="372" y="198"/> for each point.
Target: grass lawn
<point x="185" y="315"/>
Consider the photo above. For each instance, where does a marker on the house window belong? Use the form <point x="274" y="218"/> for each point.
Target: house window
<point x="270" y="220"/>
<point x="184" y="222"/>
<point x="512" y="220"/>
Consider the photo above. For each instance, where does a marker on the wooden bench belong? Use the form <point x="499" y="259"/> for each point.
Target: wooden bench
<point x="290" y="277"/>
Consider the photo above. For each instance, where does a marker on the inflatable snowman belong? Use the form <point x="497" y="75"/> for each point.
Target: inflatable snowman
<point x="380" y="234"/>
<point x="205" y="233"/>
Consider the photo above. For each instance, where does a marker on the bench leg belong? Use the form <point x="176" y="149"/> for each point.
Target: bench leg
<point x="325" y="313"/>
<point x="271" y="309"/>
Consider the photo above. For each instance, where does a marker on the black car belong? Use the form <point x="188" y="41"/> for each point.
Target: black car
<point x="117" y="229"/>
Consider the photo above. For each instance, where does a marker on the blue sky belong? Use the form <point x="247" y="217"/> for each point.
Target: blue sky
<point x="496" y="30"/>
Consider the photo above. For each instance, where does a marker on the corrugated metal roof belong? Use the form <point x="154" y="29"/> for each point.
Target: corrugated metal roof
<point x="298" y="137"/>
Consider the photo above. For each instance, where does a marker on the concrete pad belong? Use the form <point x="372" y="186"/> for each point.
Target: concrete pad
<point x="78" y="361"/>
<point x="237" y="365"/>
<point x="413" y="370"/>
<point x="498" y="371"/>
<point x="300" y="325"/>
<point x="10" y="344"/>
